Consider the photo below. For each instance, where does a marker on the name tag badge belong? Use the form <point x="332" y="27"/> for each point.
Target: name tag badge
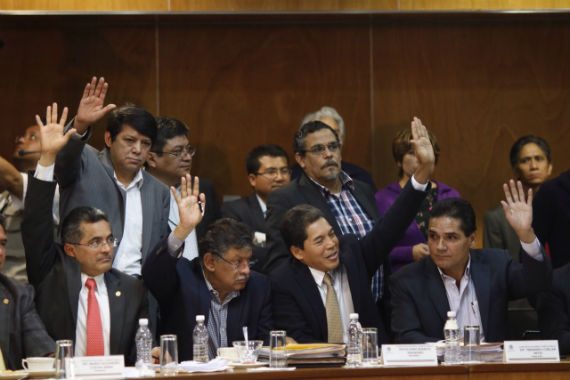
<point x="409" y="355"/>
<point x="534" y="351"/>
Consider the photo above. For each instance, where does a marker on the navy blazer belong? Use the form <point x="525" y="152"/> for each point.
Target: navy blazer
<point x="181" y="291"/>
<point x="297" y="304"/>
<point x="419" y="299"/>
<point x="56" y="278"/>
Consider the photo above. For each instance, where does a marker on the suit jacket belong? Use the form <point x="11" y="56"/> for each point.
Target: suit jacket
<point x="419" y="298"/>
<point x="212" y="211"/>
<point x="497" y="233"/>
<point x="22" y="333"/>
<point x="554" y="310"/>
<point x="297" y="304"/>
<point x="182" y="293"/>
<point x="300" y="191"/>
<point x="86" y="178"/>
<point x="248" y="211"/>
<point x="56" y="278"/>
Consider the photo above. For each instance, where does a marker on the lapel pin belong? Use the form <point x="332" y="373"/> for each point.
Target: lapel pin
<point x="6" y="301"/>
<point x="118" y="293"/>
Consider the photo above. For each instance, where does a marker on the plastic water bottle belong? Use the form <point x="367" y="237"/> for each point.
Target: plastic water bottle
<point x="200" y="340"/>
<point x="354" y="346"/>
<point x="143" y="341"/>
<point x="451" y="333"/>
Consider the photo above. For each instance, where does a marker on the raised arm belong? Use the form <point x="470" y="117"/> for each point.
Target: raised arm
<point x="518" y="211"/>
<point x="91" y="106"/>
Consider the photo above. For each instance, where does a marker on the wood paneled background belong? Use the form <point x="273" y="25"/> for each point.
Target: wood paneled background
<point x="478" y="81"/>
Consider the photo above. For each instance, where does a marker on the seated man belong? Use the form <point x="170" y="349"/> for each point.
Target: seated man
<point x="267" y="170"/>
<point x="476" y="284"/>
<point x="218" y="284"/>
<point x="169" y="159"/>
<point x="316" y="289"/>
<point x="79" y="296"/>
<point x="554" y="310"/>
<point x="22" y="333"/>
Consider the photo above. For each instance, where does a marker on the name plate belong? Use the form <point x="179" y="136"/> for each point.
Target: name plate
<point x="520" y="351"/>
<point x="86" y="366"/>
<point x="409" y="354"/>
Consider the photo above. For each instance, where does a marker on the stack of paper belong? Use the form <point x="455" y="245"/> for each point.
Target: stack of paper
<point x="213" y="365"/>
<point x="310" y="354"/>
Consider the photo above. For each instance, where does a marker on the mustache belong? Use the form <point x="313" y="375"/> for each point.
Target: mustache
<point x="329" y="163"/>
<point x="242" y="278"/>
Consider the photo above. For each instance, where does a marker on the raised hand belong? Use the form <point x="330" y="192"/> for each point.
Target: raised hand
<point x="518" y="211"/>
<point x="423" y="150"/>
<point x="91" y="107"/>
<point x="191" y="205"/>
<point x="52" y="138"/>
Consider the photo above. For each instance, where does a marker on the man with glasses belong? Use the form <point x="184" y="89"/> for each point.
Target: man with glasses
<point x="78" y="294"/>
<point x="218" y="284"/>
<point x="170" y="158"/>
<point x="267" y="170"/>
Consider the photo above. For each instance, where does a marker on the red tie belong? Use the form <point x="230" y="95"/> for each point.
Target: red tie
<point x="95" y="345"/>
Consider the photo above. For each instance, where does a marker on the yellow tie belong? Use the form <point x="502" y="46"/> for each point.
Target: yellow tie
<point x="2" y="365"/>
<point x="334" y="324"/>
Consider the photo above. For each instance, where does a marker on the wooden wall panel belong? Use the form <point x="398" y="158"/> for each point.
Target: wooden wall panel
<point x="424" y="5"/>
<point x="282" y="5"/>
<point x="86" y="5"/>
<point x="51" y="59"/>
<point x="240" y="85"/>
<point x="479" y="85"/>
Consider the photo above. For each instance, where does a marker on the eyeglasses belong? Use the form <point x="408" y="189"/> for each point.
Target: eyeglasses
<point x="179" y="152"/>
<point x="319" y="149"/>
<point x="272" y="173"/>
<point x="99" y="243"/>
<point x="236" y="266"/>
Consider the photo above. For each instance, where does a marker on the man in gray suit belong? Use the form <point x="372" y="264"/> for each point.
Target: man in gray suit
<point x="112" y="180"/>
<point x="22" y="332"/>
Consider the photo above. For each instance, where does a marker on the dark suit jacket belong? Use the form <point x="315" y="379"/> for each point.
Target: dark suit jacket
<point x="86" y="178"/>
<point x="301" y="191"/>
<point x="56" y="278"/>
<point x="212" y="212"/>
<point x="182" y="293"/>
<point x="419" y="299"/>
<point x="22" y="333"/>
<point x="554" y="310"/>
<point x="297" y="304"/>
<point x="248" y="211"/>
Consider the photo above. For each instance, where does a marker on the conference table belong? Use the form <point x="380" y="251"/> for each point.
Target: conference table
<point x="487" y="371"/>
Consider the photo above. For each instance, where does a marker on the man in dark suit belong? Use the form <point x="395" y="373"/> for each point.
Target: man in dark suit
<point x="170" y="158"/>
<point x="316" y="289"/>
<point x="113" y="180"/>
<point x="267" y="170"/>
<point x="554" y="310"/>
<point x="476" y="284"/>
<point x="78" y="295"/>
<point x="22" y="333"/>
<point x="218" y="284"/>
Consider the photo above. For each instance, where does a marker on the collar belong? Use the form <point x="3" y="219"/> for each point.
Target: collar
<point x="137" y="181"/>
<point x="261" y="204"/>
<point x="319" y="275"/>
<point x="99" y="280"/>
<point x="346" y="182"/>
<point x="216" y="296"/>
<point x="466" y="274"/>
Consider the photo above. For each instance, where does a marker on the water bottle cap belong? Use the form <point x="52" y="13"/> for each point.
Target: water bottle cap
<point x="353" y="316"/>
<point x="143" y="322"/>
<point x="200" y="318"/>
<point x="451" y="314"/>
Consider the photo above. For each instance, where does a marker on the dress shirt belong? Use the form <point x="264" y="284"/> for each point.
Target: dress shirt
<point x="128" y="257"/>
<point x="342" y="290"/>
<point x="217" y="319"/>
<point x="81" y="326"/>
<point x="44" y="173"/>
<point x="463" y="300"/>
<point x="191" y="242"/>
<point x="262" y="205"/>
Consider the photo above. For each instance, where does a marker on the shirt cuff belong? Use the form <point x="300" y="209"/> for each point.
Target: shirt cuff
<point x="44" y="173"/>
<point x="533" y="249"/>
<point x="418" y="186"/>
<point x="174" y="245"/>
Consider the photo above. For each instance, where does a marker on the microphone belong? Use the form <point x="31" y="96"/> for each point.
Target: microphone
<point x="27" y="152"/>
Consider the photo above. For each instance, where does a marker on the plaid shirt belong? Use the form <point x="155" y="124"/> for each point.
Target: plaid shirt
<point x="352" y="219"/>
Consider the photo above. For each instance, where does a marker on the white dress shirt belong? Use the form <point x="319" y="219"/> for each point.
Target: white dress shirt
<point x="128" y="256"/>
<point x="81" y="326"/>
<point x="343" y="294"/>
<point x="191" y="242"/>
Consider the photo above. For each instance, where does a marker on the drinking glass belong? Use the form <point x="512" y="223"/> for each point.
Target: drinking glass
<point x="370" y="346"/>
<point x="64" y="359"/>
<point x="278" y="353"/>
<point x="168" y="355"/>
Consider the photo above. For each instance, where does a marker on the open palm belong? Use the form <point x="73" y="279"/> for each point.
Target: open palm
<point x="52" y="137"/>
<point x="518" y="210"/>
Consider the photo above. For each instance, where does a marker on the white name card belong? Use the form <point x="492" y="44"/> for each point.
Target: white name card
<point x="520" y="351"/>
<point x="106" y="366"/>
<point x="409" y="354"/>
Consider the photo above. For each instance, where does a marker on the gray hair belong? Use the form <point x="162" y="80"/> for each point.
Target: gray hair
<point x="330" y="112"/>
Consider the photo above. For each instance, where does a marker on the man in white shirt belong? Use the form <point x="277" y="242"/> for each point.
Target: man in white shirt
<point x="476" y="284"/>
<point x="78" y="295"/>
